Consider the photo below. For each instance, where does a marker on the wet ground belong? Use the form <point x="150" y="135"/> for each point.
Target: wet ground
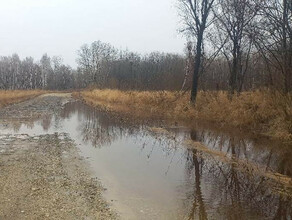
<point x="43" y="176"/>
<point x="151" y="170"/>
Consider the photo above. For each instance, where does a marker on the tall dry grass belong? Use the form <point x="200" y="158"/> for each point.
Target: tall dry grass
<point x="259" y="111"/>
<point x="8" y="97"/>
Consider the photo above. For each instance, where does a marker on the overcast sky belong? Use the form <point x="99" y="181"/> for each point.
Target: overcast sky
<point x="60" y="27"/>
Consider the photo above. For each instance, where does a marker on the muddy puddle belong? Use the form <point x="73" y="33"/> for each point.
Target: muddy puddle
<point x="173" y="172"/>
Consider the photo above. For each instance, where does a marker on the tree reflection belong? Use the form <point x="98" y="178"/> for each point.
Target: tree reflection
<point x="217" y="186"/>
<point x="46" y="122"/>
<point x="96" y="127"/>
<point x="195" y="164"/>
<point x="232" y="190"/>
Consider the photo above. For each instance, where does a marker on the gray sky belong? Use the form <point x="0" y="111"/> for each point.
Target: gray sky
<point x="60" y="27"/>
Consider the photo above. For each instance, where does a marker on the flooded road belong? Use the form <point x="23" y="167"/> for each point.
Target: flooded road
<point x="154" y="172"/>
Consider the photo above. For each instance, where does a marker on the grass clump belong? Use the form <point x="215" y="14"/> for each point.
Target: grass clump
<point x="8" y="97"/>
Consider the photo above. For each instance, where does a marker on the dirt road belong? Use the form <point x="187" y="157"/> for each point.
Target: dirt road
<point x="44" y="177"/>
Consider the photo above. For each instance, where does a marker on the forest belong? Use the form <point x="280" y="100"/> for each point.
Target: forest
<point x="232" y="45"/>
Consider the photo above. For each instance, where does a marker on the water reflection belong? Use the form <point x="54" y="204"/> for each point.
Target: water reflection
<point x="214" y="188"/>
<point x="233" y="192"/>
<point x="232" y="179"/>
<point x="97" y="127"/>
<point x="194" y="168"/>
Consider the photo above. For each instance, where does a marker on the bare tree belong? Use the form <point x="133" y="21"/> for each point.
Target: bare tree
<point x="274" y="40"/>
<point x="189" y="68"/>
<point x="93" y="60"/>
<point x="235" y="31"/>
<point x="195" y="15"/>
<point x="46" y="69"/>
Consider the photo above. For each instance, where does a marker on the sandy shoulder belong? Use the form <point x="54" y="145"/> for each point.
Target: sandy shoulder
<point x="44" y="177"/>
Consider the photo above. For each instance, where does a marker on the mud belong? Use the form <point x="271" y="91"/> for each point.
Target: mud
<point x="44" y="176"/>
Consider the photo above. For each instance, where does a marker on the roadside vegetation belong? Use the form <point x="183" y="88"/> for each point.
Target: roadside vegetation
<point x="8" y="97"/>
<point x="265" y="112"/>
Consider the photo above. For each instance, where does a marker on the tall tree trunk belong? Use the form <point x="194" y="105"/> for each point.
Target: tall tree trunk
<point x="197" y="67"/>
<point x="234" y="71"/>
<point x="286" y="48"/>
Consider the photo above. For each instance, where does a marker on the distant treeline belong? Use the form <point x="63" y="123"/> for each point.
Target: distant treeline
<point x="103" y="66"/>
<point x="100" y="65"/>
<point x="48" y="73"/>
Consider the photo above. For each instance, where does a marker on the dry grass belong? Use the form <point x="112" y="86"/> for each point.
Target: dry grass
<point x="260" y="111"/>
<point x="8" y="97"/>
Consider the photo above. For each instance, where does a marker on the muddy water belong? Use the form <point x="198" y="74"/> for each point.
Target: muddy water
<point x="153" y="173"/>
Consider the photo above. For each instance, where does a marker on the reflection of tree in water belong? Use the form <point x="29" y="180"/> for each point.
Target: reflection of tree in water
<point x="15" y="125"/>
<point x="194" y="167"/>
<point x="215" y="189"/>
<point x="269" y="154"/>
<point x="46" y="122"/>
<point x="167" y="143"/>
<point x="98" y="127"/>
<point x="231" y="192"/>
<point x="98" y="130"/>
<point x="102" y="129"/>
